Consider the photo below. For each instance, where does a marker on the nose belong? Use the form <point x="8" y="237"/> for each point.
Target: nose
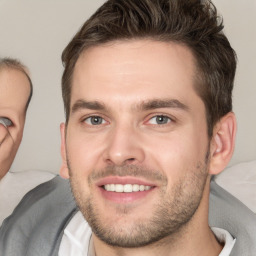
<point x="124" y="146"/>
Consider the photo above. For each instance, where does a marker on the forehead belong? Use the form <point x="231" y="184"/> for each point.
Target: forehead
<point x="14" y="89"/>
<point x="142" y="68"/>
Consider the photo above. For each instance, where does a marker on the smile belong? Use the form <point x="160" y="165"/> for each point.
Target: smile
<point x="126" y="188"/>
<point x="123" y="190"/>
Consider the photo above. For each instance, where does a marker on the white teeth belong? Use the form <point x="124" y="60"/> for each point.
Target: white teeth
<point x="135" y="188"/>
<point x="147" y="187"/>
<point x="119" y="188"/>
<point x="127" y="188"/>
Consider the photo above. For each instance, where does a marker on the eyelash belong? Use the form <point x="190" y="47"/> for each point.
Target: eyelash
<point x="104" y="121"/>
<point x="94" y="116"/>
<point x="169" y="119"/>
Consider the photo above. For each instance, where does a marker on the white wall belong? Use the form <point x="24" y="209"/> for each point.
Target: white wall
<point x="240" y="27"/>
<point x="37" y="31"/>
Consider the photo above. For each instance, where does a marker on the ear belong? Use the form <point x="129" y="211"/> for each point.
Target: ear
<point x="64" y="172"/>
<point x="222" y="143"/>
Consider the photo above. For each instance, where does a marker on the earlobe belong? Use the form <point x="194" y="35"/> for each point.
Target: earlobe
<point x="64" y="172"/>
<point x="222" y="143"/>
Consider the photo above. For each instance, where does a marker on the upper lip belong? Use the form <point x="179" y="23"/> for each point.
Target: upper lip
<point x="123" y="181"/>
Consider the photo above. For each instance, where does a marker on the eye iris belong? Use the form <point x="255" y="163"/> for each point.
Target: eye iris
<point x="96" y="120"/>
<point x="161" y="119"/>
<point x="6" y="121"/>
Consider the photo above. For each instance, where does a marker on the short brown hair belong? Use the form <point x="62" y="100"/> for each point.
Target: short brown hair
<point x="10" y="63"/>
<point x="193" y="23"/>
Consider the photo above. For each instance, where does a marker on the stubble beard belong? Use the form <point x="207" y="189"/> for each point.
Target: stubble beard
<point x="172" y="213"/>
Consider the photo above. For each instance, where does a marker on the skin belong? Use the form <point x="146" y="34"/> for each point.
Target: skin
<point x="134" y="84"/>
<point x="14" y="93"/>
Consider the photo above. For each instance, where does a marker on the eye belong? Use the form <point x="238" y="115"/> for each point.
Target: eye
<point x="160" y="120"/>
<point x="94" y="120"/>
<point x="6" y="121"/>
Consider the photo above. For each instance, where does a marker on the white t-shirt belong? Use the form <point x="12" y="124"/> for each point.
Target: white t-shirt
<point x="77" y="236"/>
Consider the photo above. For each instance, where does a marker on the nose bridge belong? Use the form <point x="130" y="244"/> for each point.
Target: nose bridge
<point x="124" y="145"/>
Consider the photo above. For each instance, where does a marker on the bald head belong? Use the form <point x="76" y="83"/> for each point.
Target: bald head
<point x="15" y="95"/>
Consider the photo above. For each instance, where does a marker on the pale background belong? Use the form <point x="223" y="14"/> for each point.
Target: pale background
<point x="37" y="31"/>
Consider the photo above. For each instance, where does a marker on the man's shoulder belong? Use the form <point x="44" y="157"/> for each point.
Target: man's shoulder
<point x="15" y="185"/>
<point x="37" y="223"/>
<point x="227" y="212"/>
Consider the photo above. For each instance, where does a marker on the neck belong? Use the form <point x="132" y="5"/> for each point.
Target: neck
<point x="194" y="238"/>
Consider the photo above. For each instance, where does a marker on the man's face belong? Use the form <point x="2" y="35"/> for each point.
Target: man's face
<point x="14" y="93"/>
<point x="136" y="123"/>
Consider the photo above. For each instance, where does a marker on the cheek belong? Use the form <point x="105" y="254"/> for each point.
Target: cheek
<point x="84" y="150"/>
<point x="16" y="134"/>
<point x="177" y="153"/>
<point x="20" y="134"/>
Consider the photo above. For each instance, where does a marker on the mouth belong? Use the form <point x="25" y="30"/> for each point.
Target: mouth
<point x="124" y="189"/>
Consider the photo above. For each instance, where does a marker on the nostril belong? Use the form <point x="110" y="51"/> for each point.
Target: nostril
<point x="130" y="160"/>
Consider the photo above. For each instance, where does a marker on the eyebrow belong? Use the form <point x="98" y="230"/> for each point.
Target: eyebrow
<point x="162" y="103"/>
<point x="83" y="104"/>
<point x="144" y="106"/>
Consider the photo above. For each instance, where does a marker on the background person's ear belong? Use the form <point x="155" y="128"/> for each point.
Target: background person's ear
<point x="64" y="172"/>
<point x="222" y="143"/>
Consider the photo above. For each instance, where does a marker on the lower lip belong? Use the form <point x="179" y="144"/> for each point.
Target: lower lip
<point x="124" y="197"/>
